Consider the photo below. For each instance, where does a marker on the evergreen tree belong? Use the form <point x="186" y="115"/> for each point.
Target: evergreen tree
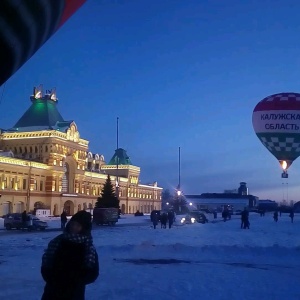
<point x="108" y="197"/>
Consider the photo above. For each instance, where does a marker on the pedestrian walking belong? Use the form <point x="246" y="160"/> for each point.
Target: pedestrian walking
<point x="292" y="214"/>
<point x="245" y="219"/>
<point x="24" y="219"/>
<point x="70" y="262"/>
<point x="170" y="218"/>
<point x="164" y="220"/>
<point x="155" y="220"/>
<point x="63" y="220"/>
<point x="275" y="216"/>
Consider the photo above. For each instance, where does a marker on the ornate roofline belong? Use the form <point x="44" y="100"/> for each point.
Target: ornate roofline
<point x="39" y="134"/>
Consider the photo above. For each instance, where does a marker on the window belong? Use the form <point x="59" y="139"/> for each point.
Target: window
<point x="18" y="185"/>
<point x="24" y="184"/>
<point x="12" y="183"/>
<point x="53" y="185"/>
<point x="36" y="150"/>
<point x="5" y="183"/>
<point x="35" y="185"/>
<point x="41" y="186"/>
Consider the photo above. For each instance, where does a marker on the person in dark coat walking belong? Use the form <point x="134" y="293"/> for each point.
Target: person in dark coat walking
<point x="245" y="219"/>
<point x="155" y="220"/>
<point x="63" y="220"/>
<point x="164" y="220"/>
<point x="292" y="214"/>
<point x="275" y="216"/>
<point x="170" y="218"/>
<point x="70" y="262"/>
<point x="24" y="219"/>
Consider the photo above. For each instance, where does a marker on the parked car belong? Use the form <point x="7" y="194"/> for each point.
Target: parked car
<point x="14" y="221"/>
<point x="188" y="219"/>
<point x="199" y="216"/>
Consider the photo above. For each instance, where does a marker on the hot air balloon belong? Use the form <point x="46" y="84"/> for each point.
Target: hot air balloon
<point x="25" y="26"/>
<point x="276" y="122"/>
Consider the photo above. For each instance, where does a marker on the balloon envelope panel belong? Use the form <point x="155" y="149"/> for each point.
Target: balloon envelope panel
<point x="25" y="26"/>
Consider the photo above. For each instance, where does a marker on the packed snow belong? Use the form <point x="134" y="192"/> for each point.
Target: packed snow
<point x="217" y="260"/>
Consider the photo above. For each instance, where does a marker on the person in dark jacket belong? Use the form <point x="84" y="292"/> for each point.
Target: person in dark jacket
<point x="170" y="218"/>
<point x="164" y="220"/>
<point x="24" y="219"/>
<point x="63" y="220"/>
<point x="245" y="219"/>
<point x="155" y="220"/>
<point x="70" y="262"/>
<point x="275" y="216"/>
<point x="292" y="214"/>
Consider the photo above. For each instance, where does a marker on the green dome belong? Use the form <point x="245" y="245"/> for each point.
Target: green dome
<point x="120" y="157"/>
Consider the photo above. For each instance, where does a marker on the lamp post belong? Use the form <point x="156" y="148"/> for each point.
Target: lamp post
<point x="178" y="192"/>
<point x="117" y="175"/>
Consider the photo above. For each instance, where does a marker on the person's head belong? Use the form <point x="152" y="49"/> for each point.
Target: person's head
<point x="81" y="223"/>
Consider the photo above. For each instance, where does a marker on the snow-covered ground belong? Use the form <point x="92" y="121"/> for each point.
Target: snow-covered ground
<point x="212" y="261"/>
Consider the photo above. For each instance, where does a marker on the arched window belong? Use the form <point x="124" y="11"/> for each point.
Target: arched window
<point x="30" y="150"/>
<point x="65" y="179"/>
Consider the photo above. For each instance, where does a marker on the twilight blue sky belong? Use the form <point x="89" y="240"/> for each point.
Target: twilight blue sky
<point x="177" y="73"/>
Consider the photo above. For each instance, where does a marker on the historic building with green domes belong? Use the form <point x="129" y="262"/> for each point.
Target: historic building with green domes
<point x="45" y="163"/>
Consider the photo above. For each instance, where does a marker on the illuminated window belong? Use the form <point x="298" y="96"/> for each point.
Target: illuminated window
<point x="12" y="183"/>
<point x="24" y="184"/>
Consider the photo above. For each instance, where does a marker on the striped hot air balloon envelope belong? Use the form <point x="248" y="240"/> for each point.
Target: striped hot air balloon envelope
<point x="276" y="122"/>
<point x="25" y="25"/>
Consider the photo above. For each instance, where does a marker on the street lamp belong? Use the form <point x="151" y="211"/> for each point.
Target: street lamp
<point x="191" y="203"/>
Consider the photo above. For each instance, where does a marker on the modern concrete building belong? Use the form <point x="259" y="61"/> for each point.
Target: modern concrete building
<point x="45" y="163"/>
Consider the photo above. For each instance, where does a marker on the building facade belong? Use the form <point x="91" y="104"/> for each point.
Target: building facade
<point x="44" y="163"/>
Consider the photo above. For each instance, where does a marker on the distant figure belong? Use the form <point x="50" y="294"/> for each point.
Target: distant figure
<point x="70" y="262"/>
<point x="280" y="212"/>
<point x="215" y="214"/>
<point x="170" y="218"/>
<point x="63" y="220"/>
<point x="24" y="219"/>
<point x="275" y="216"/>
<point x="292" y="214"/>
<point x="245" y="219"/>
<point x="164" y="220"/>
<point x="155" y="220"/>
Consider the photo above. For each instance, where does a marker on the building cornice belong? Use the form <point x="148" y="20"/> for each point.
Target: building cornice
<point x="40" y="134"/>
<point x="121" y="167"/>
<point x="23" y="163"/>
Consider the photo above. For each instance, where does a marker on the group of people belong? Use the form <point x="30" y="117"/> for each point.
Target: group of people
<point x="164" y="218"/>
